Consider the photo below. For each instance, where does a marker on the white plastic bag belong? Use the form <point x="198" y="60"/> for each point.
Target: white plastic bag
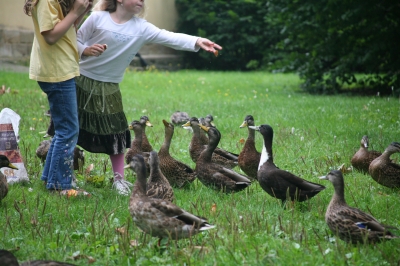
<point x="9" y="138"/>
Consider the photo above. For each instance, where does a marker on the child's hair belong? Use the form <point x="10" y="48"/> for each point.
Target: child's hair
<point x="66" y="6"/>
<point x="111" y="6"/>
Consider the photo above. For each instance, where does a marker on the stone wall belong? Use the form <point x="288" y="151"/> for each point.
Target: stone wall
<point x="15" y="45"/>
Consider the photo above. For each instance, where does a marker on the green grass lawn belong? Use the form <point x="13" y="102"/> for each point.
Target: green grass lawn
<point x="313" y="134"/>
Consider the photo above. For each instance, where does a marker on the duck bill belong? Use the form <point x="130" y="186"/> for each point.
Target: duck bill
<point x="127" y="166"/>
<point x="149" y="124"/>
<point x="187" y="124"/>
<point x="255" y="128"/>
<point x="244" y="124"/>
<point x="204" y="128"/>
<point x="130" y="127"/>
<point x="165" y="123"/>
<point x="10" y="165"/>
<point x="323" y="177"/>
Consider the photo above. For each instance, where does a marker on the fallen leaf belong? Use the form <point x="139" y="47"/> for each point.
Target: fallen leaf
<point x="345" y="169"/>
<point x="89" y="168"/>
<point x="214" y="207"/>
<point x="90" y="259"/>
<point x="134" y="243"/>
<point x="242" y="140"/>
<point x="73" y="193"/>
<point x="121" y="230"/>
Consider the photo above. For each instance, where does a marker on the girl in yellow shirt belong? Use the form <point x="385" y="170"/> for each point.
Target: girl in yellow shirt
<point x="54" y="64"/>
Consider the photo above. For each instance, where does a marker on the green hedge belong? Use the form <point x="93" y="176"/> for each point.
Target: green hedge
<point x="239" y="26"/>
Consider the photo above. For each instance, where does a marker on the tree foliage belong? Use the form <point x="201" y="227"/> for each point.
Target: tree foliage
<point x="330" y="43"/>
<point x="238" y="25"/>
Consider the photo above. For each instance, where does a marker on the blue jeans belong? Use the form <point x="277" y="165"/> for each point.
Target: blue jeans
<point x="58" y="168"/>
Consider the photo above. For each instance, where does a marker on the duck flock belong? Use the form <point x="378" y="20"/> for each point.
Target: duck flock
<point x="151" y="203"/>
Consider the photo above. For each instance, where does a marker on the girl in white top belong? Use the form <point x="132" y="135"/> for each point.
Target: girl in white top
<point x="107" y="42"/>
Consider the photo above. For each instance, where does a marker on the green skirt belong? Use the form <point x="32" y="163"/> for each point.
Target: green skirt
<point x="103" y="127"/>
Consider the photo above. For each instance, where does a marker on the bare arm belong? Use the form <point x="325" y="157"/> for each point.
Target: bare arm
<point x="79" y="19"/>
<point x="53" y="35"/>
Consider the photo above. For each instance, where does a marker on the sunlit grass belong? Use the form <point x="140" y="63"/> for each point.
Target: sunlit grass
<point x="312" y="135"/>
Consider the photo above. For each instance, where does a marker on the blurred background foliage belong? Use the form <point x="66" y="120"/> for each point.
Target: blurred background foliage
<point x="332" y="45"/>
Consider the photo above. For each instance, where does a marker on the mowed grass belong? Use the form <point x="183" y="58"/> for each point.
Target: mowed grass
<point x="313" y="134"/>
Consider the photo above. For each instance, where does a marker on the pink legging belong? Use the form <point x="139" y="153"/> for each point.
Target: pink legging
<point x="117" y="162"/>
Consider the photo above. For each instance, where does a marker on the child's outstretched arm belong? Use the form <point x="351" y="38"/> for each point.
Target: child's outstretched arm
<point x="53" y="35"/>
<point x="207" y="45"/>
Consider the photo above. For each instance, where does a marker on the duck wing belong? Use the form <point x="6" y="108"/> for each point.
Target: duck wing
<point x="159" y="192"/>
<point x="226" y="154"/>
<point x="232" y="175"/>
<point x="172" y="211"/>
<point x="289" y="179"/>
<point x="356" y="217"/>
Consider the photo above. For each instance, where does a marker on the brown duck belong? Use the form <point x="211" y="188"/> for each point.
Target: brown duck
<point x="197" y="145"/>
<point x="363" y="157"/>
<point x="279" y="183"/>
<point x="178" y="173"/>
<point x="203" y="134"/>
<point x="4" y="162"/>
<point x="383" y="170"/>
<point x="8" y="259"/>
<point x="179" y="118"/>
<point x="157" y="217"/>
<point x="209" y="121"/>
<point x="214" y="175"/>
<point x="43" y="149"/>
<point x="157" y="185"/>
<point x="249" y="157"/>
<point x="136" y="144"/>
<point x="146" y="146"/>
<point x="351" y="224"/>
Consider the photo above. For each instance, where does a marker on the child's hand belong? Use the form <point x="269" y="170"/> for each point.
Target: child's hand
<point x="81" y="6"/>
<point x="94" y="50"/>
<point x="208" y="46"/>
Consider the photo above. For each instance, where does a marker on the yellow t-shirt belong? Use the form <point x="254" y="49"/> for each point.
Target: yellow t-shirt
<point x="57" y="62"/>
